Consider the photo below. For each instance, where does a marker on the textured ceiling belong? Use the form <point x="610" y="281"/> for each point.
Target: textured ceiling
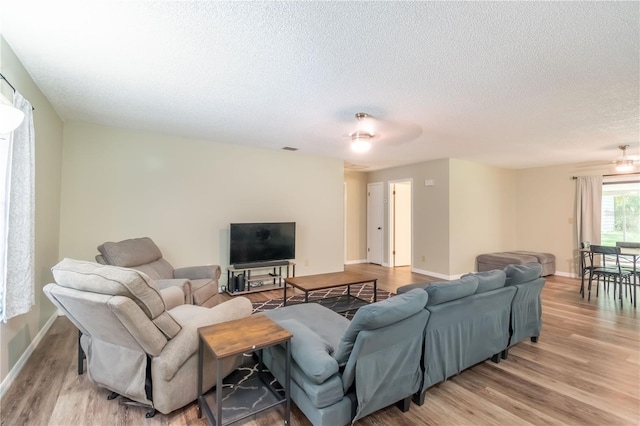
<point x="514" y="84"/>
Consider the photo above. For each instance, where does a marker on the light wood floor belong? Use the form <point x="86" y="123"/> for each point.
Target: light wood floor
<point x="585" y="370"/>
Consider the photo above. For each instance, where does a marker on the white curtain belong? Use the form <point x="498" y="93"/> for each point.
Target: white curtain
<point x="588" y="209"/>
<point x="18" y="262"/>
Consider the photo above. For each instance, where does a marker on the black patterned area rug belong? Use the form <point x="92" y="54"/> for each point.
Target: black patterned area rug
<point x="244" y="392"/>
<point x="329" y="298"/>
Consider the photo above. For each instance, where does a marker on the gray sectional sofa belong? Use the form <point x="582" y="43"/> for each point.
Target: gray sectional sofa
<point x="398" y="348"/>
<point x="343" y="370"/>
<point x="478" y="317"/>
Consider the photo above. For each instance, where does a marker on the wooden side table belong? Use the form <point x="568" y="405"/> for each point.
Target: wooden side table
<point x="232" y="338"/>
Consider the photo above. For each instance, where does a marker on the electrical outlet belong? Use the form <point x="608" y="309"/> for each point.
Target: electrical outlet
<point x="423" y="258"/>
<point x="306" y="262"/>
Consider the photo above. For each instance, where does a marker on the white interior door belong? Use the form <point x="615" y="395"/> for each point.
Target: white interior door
<point x="375" y="226"/>
<point x="400" y="235"/>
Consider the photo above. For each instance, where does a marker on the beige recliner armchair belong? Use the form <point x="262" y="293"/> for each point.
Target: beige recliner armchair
<point x="134" y="345"/>
<point x="200" y="283"/>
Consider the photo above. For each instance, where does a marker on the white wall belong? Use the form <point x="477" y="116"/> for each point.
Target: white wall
<point x="183" y="193"/>
<point x="20" y="334"/>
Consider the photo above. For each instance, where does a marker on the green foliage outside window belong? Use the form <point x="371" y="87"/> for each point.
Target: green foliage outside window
<point x="625" y="223"/>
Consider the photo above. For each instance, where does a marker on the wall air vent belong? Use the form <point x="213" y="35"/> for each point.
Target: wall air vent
<point x="289" y="148"/>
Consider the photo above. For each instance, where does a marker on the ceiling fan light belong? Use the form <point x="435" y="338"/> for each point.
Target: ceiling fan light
<point x="624" y="165"/>
<point x="361" y="143"/>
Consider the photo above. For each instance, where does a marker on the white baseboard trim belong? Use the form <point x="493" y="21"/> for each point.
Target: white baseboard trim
<point x="566" y="274"/>
<point x="13" y="373"/>
<point x="436" y="274"/>
<point x="355" y="262"/>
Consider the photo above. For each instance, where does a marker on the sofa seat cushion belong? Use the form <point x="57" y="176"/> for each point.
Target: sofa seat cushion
<point x="489" y="280"/>
<point x="380" y="314"/>
<point x="446" y="291"/>
<point x="321" y="395"/>
<point x="518" y="274"/>
<point x="327" y="324"/>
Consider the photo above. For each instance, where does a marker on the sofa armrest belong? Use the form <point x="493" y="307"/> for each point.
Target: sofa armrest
<point x="310" y="352"/>
<point x="173" y="296"/>
<point x="408" y="287"/>
<point x="198" y="272"/>
<point x="183" y="284"/>
<point x="179" y="349"/>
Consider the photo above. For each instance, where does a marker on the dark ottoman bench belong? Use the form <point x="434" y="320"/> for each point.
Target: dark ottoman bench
<point x="490" y="261"/>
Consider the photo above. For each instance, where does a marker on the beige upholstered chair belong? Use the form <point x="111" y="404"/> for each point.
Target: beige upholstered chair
<point x="200" y="283"/>
<point x="134" y="345"/>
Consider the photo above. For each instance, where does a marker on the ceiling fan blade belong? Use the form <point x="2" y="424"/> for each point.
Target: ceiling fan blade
<point x="390" y="132"/>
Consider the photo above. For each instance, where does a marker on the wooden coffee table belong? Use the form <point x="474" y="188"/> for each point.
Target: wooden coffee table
<point x="232" y="338"/>
<point x="340" y="303"/>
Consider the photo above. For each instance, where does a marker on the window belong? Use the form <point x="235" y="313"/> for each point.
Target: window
<point x="620" y="210"/>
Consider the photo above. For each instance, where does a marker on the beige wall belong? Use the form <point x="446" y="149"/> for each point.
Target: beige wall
<point x="467" y="209"/>
<point x="545" y="211"/>
<point x="20" y="334"/>
<point x="430" y="213"/>
<point x="356" y="217"/>
<point x="482" y="213"/>
<point x="183" y="193"/>
<point x="474" y="208"/>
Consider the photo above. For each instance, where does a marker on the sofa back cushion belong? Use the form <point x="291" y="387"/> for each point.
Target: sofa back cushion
<point x="489" y="280"/>
<point x="157" y="270"/>
<point x="380" y="314"/>
<point x="518" y="274"/>
<point x="446" y="291"/>
<point x="117" y="281"/>
<point x="130" y="253"/>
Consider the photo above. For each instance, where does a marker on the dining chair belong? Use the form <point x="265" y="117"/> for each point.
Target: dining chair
<point x="605" y="264"/>
<point x="629" y="262"/>
<point x="586" y="264"/>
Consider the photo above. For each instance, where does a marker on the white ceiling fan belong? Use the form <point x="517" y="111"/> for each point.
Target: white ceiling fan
<point x="624" y="164"/>
<point x="370" y="129"/>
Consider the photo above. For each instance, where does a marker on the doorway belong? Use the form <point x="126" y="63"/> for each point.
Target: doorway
<point x="375" y="222"/>
<point x="400" y="223"/>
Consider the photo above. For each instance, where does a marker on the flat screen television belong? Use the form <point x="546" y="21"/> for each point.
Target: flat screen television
<point x="256" y="243"/>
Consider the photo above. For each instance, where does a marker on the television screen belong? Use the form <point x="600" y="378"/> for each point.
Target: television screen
<point x="261" y="242"/>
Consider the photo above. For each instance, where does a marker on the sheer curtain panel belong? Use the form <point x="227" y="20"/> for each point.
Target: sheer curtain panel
<point x="19" y="219"/>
